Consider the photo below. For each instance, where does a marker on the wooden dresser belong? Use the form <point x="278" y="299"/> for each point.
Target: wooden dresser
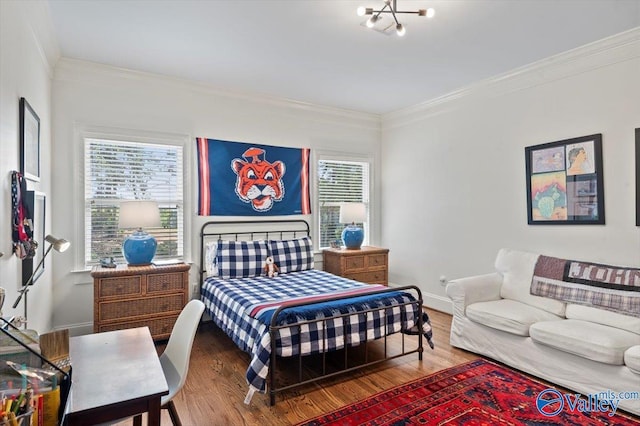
<point x="138" y="296"/>
<point x="366" y="264"/>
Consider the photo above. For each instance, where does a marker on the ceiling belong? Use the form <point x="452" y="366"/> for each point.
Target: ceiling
<point x="318" y="51"/>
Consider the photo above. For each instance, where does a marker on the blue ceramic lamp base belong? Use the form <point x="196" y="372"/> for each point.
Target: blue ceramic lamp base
<point x="352" y="237"/>
<point x="139" y="248"/>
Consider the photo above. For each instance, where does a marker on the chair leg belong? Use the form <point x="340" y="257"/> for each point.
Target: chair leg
<point x="173" y="413"/>
<point x="137" y="420"/>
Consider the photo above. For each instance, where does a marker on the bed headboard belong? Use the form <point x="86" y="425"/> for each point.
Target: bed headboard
<point x="249" y="230"/>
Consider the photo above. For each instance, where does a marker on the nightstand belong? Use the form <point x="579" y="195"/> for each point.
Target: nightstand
<point x="366" y="264"/>
<point x="138" y="296"/>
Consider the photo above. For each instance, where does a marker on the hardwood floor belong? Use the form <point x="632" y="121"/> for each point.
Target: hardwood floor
<point x="216" y="387"/>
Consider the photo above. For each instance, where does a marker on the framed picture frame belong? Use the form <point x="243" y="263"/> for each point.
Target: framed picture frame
<point x="638" y="177"/>
<point x="36" y="204"/>
<point x="565" y="183"/>
<point x="29" y="142"/>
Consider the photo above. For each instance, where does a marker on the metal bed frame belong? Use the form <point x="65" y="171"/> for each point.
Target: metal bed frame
<point x="285" y="229"/>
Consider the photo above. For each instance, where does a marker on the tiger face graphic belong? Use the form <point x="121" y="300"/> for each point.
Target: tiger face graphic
<point x="259" y="182"/>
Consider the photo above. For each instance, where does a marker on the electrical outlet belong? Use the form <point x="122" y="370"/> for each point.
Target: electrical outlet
<point x="443" y="280"/>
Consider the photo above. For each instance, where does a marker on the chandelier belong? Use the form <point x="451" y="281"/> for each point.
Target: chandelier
<point x="390" y="6"/>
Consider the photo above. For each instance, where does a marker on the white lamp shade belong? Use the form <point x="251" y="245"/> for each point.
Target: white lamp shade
<point x="353" y="213"/>
<point x="59" y="244"/>
<point x="139" y="214"/>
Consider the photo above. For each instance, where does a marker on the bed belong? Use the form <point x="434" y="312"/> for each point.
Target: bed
<point x="300" y="312"/>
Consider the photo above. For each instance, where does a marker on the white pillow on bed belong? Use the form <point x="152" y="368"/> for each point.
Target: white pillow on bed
<point x="210" y="264"/>
<point x="292" y="255"/>
<point x="241" y="259"/>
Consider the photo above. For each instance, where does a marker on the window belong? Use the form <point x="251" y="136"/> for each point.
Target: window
<point x="339" y="181"/>
<point x="116" y="171"/>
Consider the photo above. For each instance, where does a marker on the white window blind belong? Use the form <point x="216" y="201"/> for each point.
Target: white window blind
<point x="340" y="181"/>
<point x="117" y="171"/>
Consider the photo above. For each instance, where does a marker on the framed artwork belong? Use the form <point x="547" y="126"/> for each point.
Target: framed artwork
<point x="29" y="142"/>
<point x="638" y="177"/>
<point x="565" y="182"/>
<point x="36" y="203"/>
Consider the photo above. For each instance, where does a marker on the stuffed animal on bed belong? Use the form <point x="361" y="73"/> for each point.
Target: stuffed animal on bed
<point x="270" y="267"/>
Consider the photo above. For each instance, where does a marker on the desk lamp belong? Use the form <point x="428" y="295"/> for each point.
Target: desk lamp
<point x="60" y="245"/>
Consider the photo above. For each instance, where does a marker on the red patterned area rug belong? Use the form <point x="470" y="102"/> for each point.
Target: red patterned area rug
<point x="478" y="393"/>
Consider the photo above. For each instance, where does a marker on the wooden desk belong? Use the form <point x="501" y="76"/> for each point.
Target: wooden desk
<point x="115" y="374"/>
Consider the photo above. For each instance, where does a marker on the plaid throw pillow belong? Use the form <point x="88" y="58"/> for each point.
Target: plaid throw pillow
<point x="292" y="255"/>
<point x="241" y="259"/>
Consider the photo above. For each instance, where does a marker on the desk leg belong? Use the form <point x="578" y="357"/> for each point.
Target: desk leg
<point x="154" y="412"/>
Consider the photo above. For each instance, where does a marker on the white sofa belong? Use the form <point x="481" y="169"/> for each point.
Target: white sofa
<point x="582" y="348"/>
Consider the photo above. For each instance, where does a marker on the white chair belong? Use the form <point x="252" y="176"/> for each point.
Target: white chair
<point x="175" y="358"/>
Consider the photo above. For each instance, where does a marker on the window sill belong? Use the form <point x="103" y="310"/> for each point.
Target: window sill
<point x="87" y="269"/>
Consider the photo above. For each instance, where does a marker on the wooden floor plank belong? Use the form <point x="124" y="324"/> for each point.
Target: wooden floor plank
<point x="215" y="388"/>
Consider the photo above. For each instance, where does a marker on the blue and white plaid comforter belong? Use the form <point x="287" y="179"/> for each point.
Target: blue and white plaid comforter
<point x="229" y="303"/>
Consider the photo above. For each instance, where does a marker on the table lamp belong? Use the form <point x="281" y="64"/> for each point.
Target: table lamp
<point x="139" y="247"/>
<point x="352" y="234"/>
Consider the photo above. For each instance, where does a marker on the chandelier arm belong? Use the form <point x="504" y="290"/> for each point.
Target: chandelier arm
<point x="393" y="11"/>
<point x="378" y="12"/>
<point x="394" y="17"/>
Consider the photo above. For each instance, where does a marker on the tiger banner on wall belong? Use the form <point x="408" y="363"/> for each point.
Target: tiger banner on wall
<point x="241" y="179"/>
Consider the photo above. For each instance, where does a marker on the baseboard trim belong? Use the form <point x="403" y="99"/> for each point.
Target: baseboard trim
<point x="76" y="329"/>
<point x="433" y="301"/>
<point x="439" y="303"/>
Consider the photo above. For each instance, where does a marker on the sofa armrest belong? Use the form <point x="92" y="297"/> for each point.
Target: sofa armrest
<point x="478" y="288"/>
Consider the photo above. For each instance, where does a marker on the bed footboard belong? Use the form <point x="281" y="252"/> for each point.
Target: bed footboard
<point x="301" y="381"/>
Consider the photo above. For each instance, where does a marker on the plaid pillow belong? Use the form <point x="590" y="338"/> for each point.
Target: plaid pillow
<point x="241" y="259"/>
<point x="292" y="255"/>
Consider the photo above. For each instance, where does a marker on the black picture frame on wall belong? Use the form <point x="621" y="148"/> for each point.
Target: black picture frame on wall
<point x="29" y="142"/>
<point x="36" y="204"/>
<point x="565" y="183"/>
<point x="638" y="177"/>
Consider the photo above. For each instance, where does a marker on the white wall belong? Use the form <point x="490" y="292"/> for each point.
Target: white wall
<point x="87" y="95"/>
<point x="454" y="185"/>
<point x="27" y="53"/>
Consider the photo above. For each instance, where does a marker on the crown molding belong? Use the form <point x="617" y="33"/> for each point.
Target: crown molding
<point x="40" y="26"/>
<point x="68" y="69"/>
<point x="618" y="48"/>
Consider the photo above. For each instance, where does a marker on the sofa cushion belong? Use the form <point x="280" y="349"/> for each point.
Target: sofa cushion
<point x="508" y="315"/>
<point x="601" y="316"/>
<point x="517" y="269"/>
<point x="589" y="340"/>
<point x="632" y="358"/>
